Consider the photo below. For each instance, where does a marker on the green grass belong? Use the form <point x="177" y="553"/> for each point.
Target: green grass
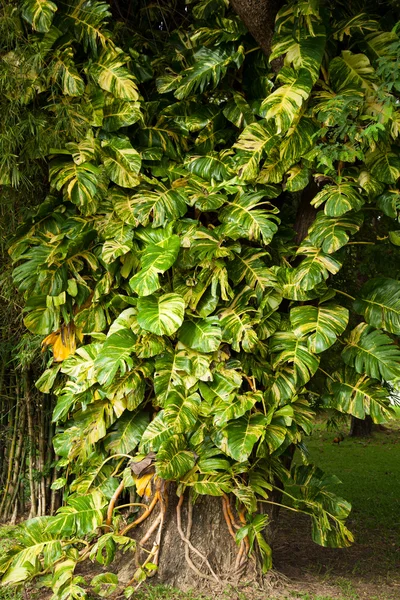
<point x="368" y="469"/>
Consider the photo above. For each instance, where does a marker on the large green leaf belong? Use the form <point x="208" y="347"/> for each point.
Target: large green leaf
<point x="40" y="319"/>
<point x="253" y="143"/>
<point x="169" y="374"/>
<point x="34" y="542"/>
<point x="331" y="233"/>
<point x="288" y="285"/>
<point x="238" y="437"/>
<point x="111" y="74"/>
<point x="284" y="104"/>
<point x="326" y="322"/>
<point x="273" y="168"/>
<point x="161" y="315"/>
<point x="126" y="432"/>
<point x="302" y="49"/>
<point x="156" y="258"/>
<point x="87" y="21"/>
<point x="81" y="516"/>
<point x="157" y="432"/>
<point x="181" y="410"/>
<point x="120" y="113"/>
<point x="315" y="267"/>
<point x="128" y="390"/>
<point x="211" y="166"/>
<point x="351" y="71"/>
<point x="209" y="67"/>
<point x="39" y="14"/>
<point x="121" y="161"/>
<point x="288" y="348"/>
<point x="339" y="199"/>
<point x="238" y="320"/>
<point x="358" y="395"/>
<point x="379" y="303"/>
<point x="173" y="458"/>
<point x="384" y="164"/>
<point x="372" y="352"/>
<point x="203" y="335"/>
<point x="64" y="70"/>
<point x="115" y="356"/>
<point x="233" y="408"/>
<point x="250" y="266"/>
<point x="158" y="206"/>
<point x="80" y="183"/>
<point x="297" y="141"/>
<point x="245" y="216"/>
<point x="310" y="486"/>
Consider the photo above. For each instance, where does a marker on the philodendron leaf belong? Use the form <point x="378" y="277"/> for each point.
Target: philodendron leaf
<point x="203" y="335"/>
<point x="126" y="432"/>
<point x="238" y="437"/>
<point x="288" y="348"/>
<point x="372" y="352"/>
<point x="173" y="458"/>
<point x="156" y="258"/>
<point x="122" y="162"/>
<point x="331" y="233"/>
<point x="246" y="216"/>
<point x="326" y="322"/>
<point x="284" y="104"/>
<point x="161" y="315"/>
<point x="33" y="541"/>
<point x="111" y="74"/>
<point x="81" y="515"/>
<point x="235" y="407"/>
<point x="315" y="267"/>
<point x="80" y="183"/>
<point x="115" y="355"/>
<point x="39" y="13"/>
<point x="379" y="303"/>
<point x="181" y="410"/>
<point x="358" y="395"/>
<point x="339" y="199"/>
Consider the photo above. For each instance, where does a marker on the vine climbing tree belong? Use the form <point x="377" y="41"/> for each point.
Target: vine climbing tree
<point x="205" y="191"/>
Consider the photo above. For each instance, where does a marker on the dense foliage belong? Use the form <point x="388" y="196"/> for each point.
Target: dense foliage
<point x="182" y="266"/>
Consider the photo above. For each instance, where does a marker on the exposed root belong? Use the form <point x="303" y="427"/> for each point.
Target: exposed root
<point x="163" y="510"/>
<point x="143" y="516"/>
<point x="189" y="545"/>
<point x="246" y="539"/>
<point x="227" y="518"/>
<point x="113" y="500"/>
<point x="230" y="513"/>
<point x="239" y="556"/>
<point x="150" y="531"/>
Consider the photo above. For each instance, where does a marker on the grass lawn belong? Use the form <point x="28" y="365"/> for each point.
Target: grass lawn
<point x="370" y="474"/>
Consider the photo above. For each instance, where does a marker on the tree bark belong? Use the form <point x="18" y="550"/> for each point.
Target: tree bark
<point x="361" y="427"/>
<point x="196" y="540"/>
<point x="259" y="18"/>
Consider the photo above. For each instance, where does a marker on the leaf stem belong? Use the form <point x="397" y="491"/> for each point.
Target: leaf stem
<point x="344" y="294"/>
<point x="325" y="373"/>
<point x="361" y="243"/>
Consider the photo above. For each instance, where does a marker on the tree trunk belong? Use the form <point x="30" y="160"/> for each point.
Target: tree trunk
<point x="361" y="427"/>
<point x="259" y="18"/>
<point x="196" y="547"/>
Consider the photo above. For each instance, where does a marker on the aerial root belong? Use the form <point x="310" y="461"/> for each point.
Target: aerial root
<point x="157" y="543"/>
<point x="227" y="517"/>
<point x="113" y="500"/>
<point x="144" y="515"/>
<point x="189" y="546"/>
<point x="244" y="548"/>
